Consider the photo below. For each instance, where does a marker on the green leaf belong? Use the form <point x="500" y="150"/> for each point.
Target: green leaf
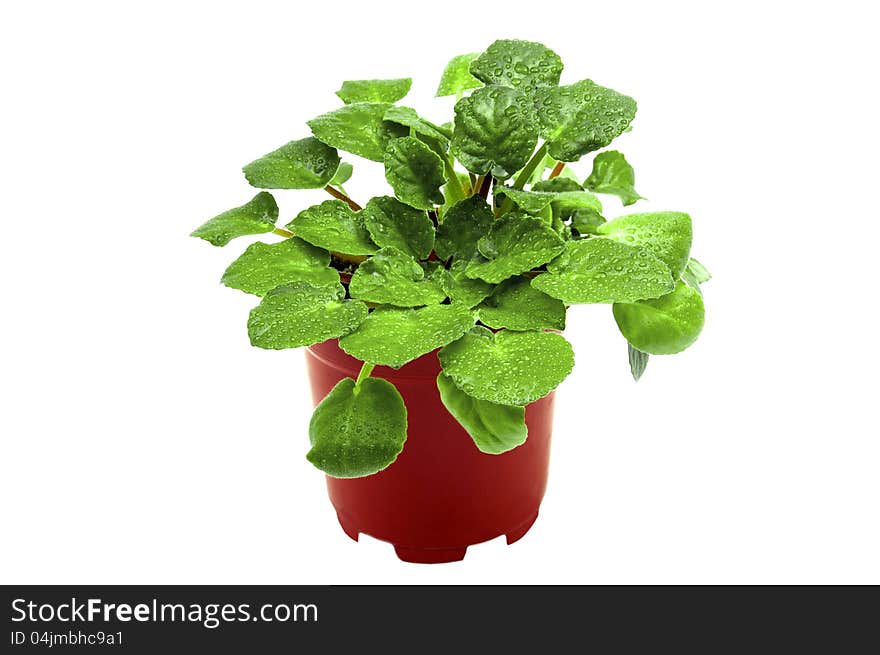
<point x="665" y="325"/>
<point x="515" y="244"/>
<point x="586" y="221"/>
<point x="696" y="273"/>
<point x="524" y="65"/>
<point x="638" y="361"/>
<point x="359" y="128"/>
<point x="303" y="164"/>
<point x="255" y="217"/>
<point x="463" y="225"/>
<point x="358" y="429"/>
<point x="374" y="90"/>
<point x="343" y="174"/>
<point x="583" y="117"/>
<point x="494" y="428"/>
<point x="612" y="174"/>
<point x="462" y="289"/>
<point x="408" y="117"/>
<point x="666" y="234"/>
<point x="598" y="270"/>
<point x="392" y="223"/>
<point x="562" y="202"/>
<point x="494" y="132"/>
<point x="557" y="185"/>
<point x="415" y="172"/>
<point x="302" y="314"/>
<point x="517" y="305"/>
<point x="457" y="77"/>
<point x="393" y="337"/>
<point x="394" y="278"/>
<point x="264" y="266"/>
<point x="332" y="225"/>
<point x="510" y="368"/>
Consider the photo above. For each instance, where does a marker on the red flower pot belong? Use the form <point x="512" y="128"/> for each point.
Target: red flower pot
<point x="441" y="494"/>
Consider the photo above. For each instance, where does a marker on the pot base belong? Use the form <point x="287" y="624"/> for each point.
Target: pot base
<point x="437" y="555"/>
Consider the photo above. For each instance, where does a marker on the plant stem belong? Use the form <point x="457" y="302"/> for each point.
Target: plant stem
<point x="523" y="177"/>
<point x="280" y="231"/>
<point x="454" y="186"/>
<point x="366" y="369"/>
<point x="530" y="167"/>
<point x="556" y="169"/>
<point x="341" y="196"/>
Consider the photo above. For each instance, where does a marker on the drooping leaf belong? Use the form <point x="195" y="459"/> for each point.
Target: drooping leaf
<point x="638" y="361"/>
<point x="392" y="337"/>
<point x="358" y="429"/>
<point x="695" y="274"/>
<point x="462" y="289"/>
<point x="408" y="117"/>
<point x="514" y="244"/>
<point x="415" y="172"/>
<point x="583" y="117"/>
<point x="494" y="131"/>
<point x="494" y="428"/>
<point x="264" y="266"/>
<point x="666" y="234"/>
<point x="302" y="314"/>
<point x="586" y="221"/>
<point x="612" y="174"/>
<point x="510" y="368"/>
<point x="359" y="128"/>
<point x="463" y="225"/>
<point x="517" y="305"/>
<point x="343" y="174"/>
<point x="598" y="270"/>
<point x="303" y="164"/>
<point x="392" y="223"/>
<point x="524" y="65"/>
<point x="257" y="216"/>
<point x="557" y="185"/>
<point x="332" y="225"/>
<point x="665" y="325"/>
<point x="394" y="278"/>
<point x="457" y="77"/>
<point x="374" y="90"/>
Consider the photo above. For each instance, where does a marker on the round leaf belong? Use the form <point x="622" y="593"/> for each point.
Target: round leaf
<point x="332" y="225"/>
<point x="392" y="223"/>
<point x="303" y="164"/>
<point x="265" y="266"/>
<point x="517" y="305"/>
<point x="415" y="172"/>
<point x="524" y="65"/>
<point x="393" y="337"/>
<point x="510" y="368"/>
<point x="255" y="217"/>
<point x="494" y="132"/>
<point x="665" y="325"/>
<point x="462" y="289"/>
<point x="359" y="128"/>
<point x="409" y="117"/>
<point x="666" y="234"/>
<point x="598" y="270"/>
<point x="374" y="90"/>
<point x="457" y="77"/>
<point x="494" y="428"/>
<point x="515" y="244"/>
<point x="302" y="314"/>
<point x="612" y="174"/>
<point x="583" y="117"/>
<point x="463" y="225"/>
<point x="357" y="430"/>
<point x="395" y="278"/>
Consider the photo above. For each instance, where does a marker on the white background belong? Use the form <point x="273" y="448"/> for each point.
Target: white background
<point x="145" y="441"/>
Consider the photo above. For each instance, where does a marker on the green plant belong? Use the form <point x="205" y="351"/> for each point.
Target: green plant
<point x="480" y="263"/>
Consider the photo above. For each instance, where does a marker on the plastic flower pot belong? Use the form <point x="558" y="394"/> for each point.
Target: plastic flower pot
<point x="442" y="494"/>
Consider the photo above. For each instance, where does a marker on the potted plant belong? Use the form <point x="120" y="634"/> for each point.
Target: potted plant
<point x="433" y="316"/>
